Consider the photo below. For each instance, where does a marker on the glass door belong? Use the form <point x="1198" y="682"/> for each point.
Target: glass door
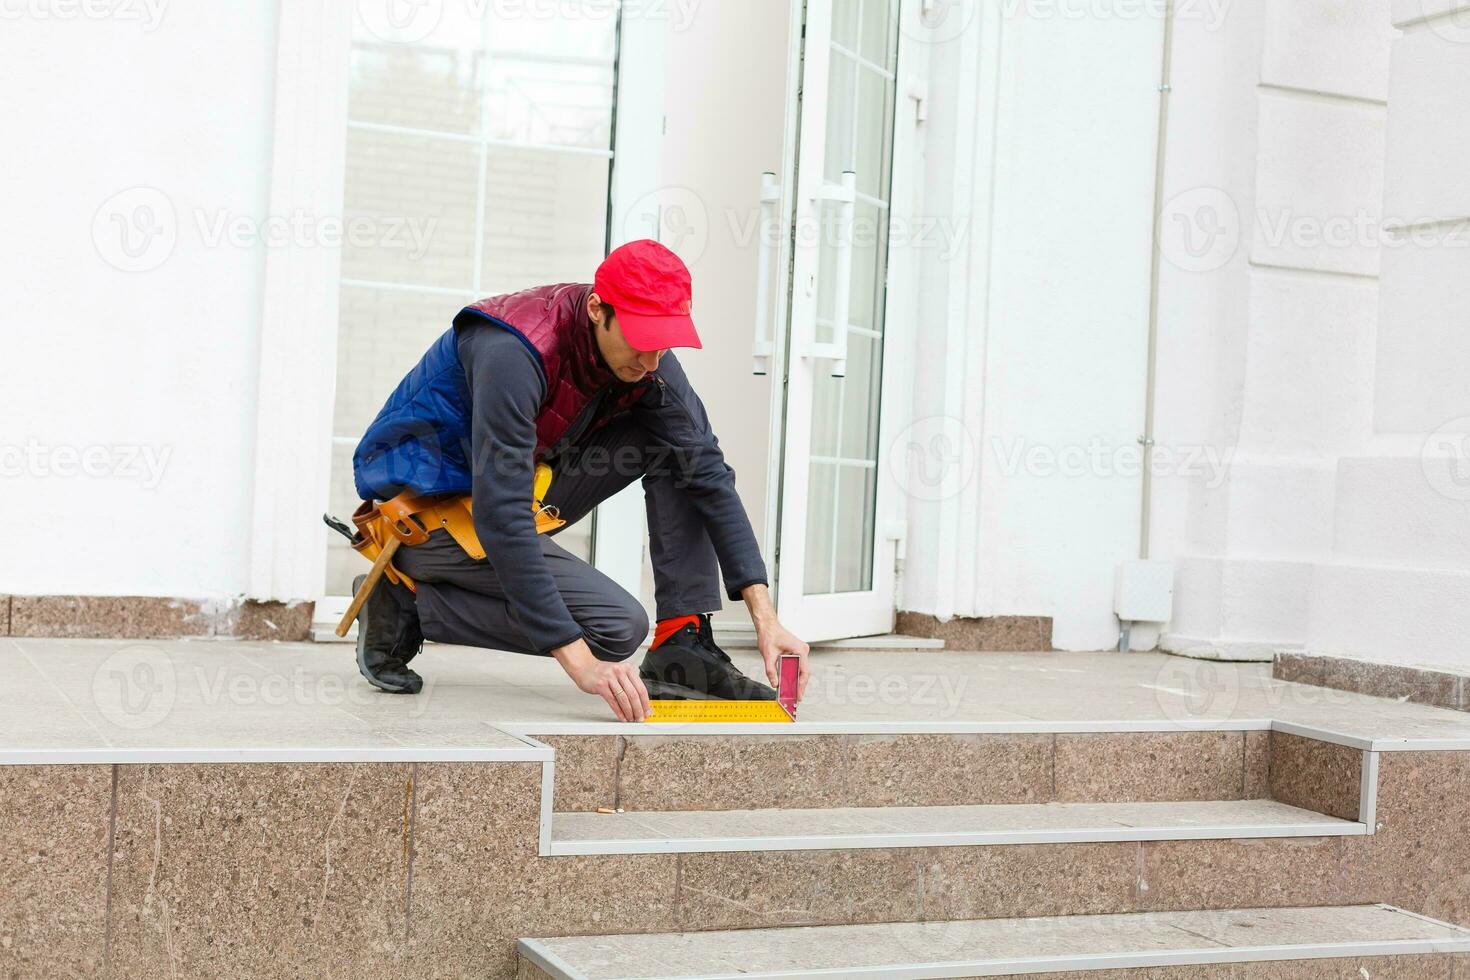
<point x="835" y="555"/>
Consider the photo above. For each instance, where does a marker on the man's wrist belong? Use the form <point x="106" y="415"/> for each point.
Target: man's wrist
<point x="758" y="600"/>
<point x="574" y="656"/>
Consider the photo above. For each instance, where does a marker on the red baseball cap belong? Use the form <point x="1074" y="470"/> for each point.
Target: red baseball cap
<point x="649" y="288"/>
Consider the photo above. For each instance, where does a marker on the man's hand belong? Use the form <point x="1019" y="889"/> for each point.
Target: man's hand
<point x="772" y="639"/>
<point x="616" y="683"/>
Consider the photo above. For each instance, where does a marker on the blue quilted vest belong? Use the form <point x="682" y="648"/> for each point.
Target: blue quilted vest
<point x="421" y="437"/>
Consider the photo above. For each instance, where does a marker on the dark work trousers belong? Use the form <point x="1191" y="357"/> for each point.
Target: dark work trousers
<point x="460" y="599"/>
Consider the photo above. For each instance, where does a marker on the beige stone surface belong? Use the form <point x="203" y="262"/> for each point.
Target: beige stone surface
<point x="1420" y="857"/>
<point x="1179" y="875"/>
<point x="260" y="870"/>
<point x="1299" y="668"/>
<point x="945" y="770"/>
<point x="1428" y="967"/>
<point x="859" y="950"/>
<point x="743" y="890"/>
<point x="1257" y="766"/>
<point x="1150" y="766"/>
<point x="1316" y="775"/>
<point x="586" y="770"/>
<point x="478" y="885"/>
<point x="121" y="617"/>
<point x="53" y="870"/>
<point x="5" y="615"/>
<point x="987" y="635"/>
<point x="255" y="620"/>
<point x="153" y="617"/>
<point x="1420" y="685"/>
<point x="711" y="772"/>
<point x="482" y="688"/>
<point x="1395" y="681"/>
<point x="1029" y="880"/>
<point x="699" y="831"/>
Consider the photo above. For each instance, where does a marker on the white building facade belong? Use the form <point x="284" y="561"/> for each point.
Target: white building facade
<point x="236" y="228"/>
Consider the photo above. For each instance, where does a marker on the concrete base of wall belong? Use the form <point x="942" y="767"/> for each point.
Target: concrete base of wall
<point x="153" y="617"/>
<point x="996" y="634"/>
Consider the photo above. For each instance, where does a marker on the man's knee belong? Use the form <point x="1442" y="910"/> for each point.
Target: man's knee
<point x="617" y="632"/>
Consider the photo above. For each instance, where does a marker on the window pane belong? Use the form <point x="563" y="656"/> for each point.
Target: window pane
<point x="842" y="111"/>
<point x="382" y="333"/>
<point x="876" y="27"/>
<point x="545" y="100"/>
<point x="873" y="131"/>
<point x="420" y="88"/>
<point x="823" y="493"/>
<point x="869" y="231"/>
<point x="853" y="570"/>
<point x="860" y="399"/>
<point x="845" y="23"/>
<point x="545" y="218"/>
<point x="413" y="200"/>
<point x="826" y="414"/>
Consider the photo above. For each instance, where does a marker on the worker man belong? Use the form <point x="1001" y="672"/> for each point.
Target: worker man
<point x="581" y="377"/>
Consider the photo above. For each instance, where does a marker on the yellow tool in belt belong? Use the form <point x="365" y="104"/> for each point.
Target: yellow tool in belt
<point x="408" y="518"/>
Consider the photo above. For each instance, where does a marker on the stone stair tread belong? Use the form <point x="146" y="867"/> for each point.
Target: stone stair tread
<point x="647" y="831"/>
<point x="999" y="947"/>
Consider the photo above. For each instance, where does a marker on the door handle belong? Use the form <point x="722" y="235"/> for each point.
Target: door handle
<point x="769" y="215"/>
<point x="845" y="194"/>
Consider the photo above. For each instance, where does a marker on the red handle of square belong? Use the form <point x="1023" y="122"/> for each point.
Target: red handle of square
<point x="789" y="673"/>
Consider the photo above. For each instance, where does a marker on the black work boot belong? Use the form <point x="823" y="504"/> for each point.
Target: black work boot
<point x="388" y="637"/>
<point x="689" y="666"/>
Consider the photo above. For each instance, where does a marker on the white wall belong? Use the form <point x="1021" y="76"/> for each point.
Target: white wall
<point x="111" y="363"/>
<point x="1340" y="526"/>
<point x="1041" y="144"/>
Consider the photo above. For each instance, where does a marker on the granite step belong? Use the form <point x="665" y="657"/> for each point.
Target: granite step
<point x="705" y="831"/>
<point x="1273" y="942"/>
<point x="690" y="768"/>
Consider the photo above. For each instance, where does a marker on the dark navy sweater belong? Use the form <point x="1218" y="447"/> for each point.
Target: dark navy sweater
<point x="506" y="390"/>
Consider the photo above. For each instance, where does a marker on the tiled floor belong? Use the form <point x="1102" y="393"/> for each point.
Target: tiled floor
<point x="72" y="696"/>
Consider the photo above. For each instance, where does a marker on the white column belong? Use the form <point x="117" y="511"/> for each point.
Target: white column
<point x="298" y="359"/>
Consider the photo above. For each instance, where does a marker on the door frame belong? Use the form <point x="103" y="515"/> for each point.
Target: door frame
<point x="870" y="612"/>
